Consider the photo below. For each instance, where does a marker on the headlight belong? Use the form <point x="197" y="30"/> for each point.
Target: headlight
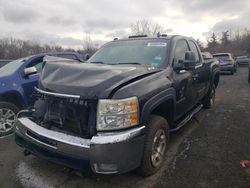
<point x="117" y="114"/>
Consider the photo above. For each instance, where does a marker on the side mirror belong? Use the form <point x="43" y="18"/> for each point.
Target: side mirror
<point x="86" y="57"/>
<point x="204" y="57"/>
<point x="190" y="60"/>
<point x="29" y="71"/>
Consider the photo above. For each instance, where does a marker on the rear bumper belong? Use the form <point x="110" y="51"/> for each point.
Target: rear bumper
<point x="106" y="153"/>
<point x="227" y="68"/>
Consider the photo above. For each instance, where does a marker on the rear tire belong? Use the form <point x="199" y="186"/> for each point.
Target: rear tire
<point x="155" y="146"/>
<point x="209" y="99"/>
<point x="8" y="112"/>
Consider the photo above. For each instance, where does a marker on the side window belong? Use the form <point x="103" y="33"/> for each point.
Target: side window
<point x="194" y="49"/>
<point x="38" y="62"/>
<point x="180" y="50"/>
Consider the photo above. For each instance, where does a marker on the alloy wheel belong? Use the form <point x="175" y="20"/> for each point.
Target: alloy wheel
<point x="7" y="119"/>
<point x="158" y="148"/>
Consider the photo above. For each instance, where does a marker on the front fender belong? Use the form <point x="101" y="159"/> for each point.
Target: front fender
<point x="155" y="101"/>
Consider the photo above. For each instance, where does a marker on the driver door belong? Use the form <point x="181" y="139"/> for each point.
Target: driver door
<point x="31" y="81"/>
<point x="183" y="80"/>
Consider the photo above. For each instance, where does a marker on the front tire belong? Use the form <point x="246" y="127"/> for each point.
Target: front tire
<point x="209" y="99"/>
<point x="8" y="112"/>
<point x="155" y="146"/>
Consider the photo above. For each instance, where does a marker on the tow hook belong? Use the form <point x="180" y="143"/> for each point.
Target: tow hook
<point x="26" y="153"/>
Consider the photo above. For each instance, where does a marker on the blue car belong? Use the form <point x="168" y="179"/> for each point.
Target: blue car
<point x="17" y="81"/>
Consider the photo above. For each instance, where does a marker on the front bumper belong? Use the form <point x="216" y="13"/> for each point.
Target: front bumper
<point x="105" y="153"/>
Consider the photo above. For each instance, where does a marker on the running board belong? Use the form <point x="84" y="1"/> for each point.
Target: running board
<point x="184" y="121"/>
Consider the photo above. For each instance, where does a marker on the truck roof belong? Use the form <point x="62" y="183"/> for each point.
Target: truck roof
<point x="145" y="37"/>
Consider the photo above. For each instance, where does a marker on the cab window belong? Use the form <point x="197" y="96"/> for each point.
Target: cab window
<point x="194" y="49"/>
<point x="180" y="50"/>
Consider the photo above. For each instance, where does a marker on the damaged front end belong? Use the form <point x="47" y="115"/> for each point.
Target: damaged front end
<point x="62" y="128"/>
<point x="68" y="114"/>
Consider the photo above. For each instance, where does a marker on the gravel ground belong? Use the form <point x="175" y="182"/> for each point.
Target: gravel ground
<point x="211" y="155"/>
<point x="205" y="153"/>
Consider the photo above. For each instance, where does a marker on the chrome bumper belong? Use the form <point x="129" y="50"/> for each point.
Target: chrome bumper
<point x="117" y="152"/>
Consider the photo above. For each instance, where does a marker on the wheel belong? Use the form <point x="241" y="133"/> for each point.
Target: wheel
<point x="209" y="99"/>
<point x="232" y="72"/>
<point x="155" y="147"/>
<point x="8" y="112"/>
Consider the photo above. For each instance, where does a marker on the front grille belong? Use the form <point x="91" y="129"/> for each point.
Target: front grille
<point x="66" y="115"/>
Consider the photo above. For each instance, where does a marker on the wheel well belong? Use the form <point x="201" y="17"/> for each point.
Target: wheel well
<point x="216" y="79"/>
<point x="166" y="110"/>
<point x="11" y="98"/>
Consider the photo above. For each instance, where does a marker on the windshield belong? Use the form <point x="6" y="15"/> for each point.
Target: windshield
<point x="11" y="67"/>
<point x="222" y="57"/>
<point x="145" y="52"/>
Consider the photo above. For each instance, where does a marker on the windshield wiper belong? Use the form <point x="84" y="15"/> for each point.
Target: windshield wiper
<point x="133" y="63"/>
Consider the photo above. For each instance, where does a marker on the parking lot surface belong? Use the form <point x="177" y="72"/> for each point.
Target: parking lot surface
<point x="205" y="153"/>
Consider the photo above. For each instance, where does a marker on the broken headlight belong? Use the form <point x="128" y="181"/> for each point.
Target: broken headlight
<point x="117" y="114"/>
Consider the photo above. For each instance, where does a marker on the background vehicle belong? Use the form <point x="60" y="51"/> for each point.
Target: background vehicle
<point x="242" y="60"/>
<point x="207" y="55"/>
<point x="18" y="79"/>
<point x="4" y="62"/>
<point x="227" y="63"/>
<point x="115" y="112"/>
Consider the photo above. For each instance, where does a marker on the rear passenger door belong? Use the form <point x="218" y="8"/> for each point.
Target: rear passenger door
<point x="199" y="74"/>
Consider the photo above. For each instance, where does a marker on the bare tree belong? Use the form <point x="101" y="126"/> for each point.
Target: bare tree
<point x="88" y="45"/>
<point x="11" y="48"/>
<point x="146" y="27"/>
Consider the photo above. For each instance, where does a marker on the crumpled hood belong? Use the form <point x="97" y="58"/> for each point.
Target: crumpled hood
<point x="89" y="80"/>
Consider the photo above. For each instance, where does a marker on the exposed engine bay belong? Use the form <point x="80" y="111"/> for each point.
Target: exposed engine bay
<point x="67" y="115"/>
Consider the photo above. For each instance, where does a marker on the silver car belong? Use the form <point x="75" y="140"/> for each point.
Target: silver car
<point x="227" y="63"/>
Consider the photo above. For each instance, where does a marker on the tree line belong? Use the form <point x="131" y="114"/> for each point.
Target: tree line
<point x="11" y="48"/>
<point x="238" y="44"/>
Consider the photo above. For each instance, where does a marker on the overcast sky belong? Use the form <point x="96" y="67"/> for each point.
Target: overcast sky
<point x="66" y="22"/>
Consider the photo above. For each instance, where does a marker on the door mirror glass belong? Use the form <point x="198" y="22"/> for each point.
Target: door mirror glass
<point x="30" y="70"/>
<point x="190" y="60"/>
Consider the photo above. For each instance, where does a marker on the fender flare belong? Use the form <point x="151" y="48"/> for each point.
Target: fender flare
<point x="216" y="71"/>
<point x="155" y="101"/>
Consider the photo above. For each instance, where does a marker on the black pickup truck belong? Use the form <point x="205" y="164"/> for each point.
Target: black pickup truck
<point x="114" y="113"/>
